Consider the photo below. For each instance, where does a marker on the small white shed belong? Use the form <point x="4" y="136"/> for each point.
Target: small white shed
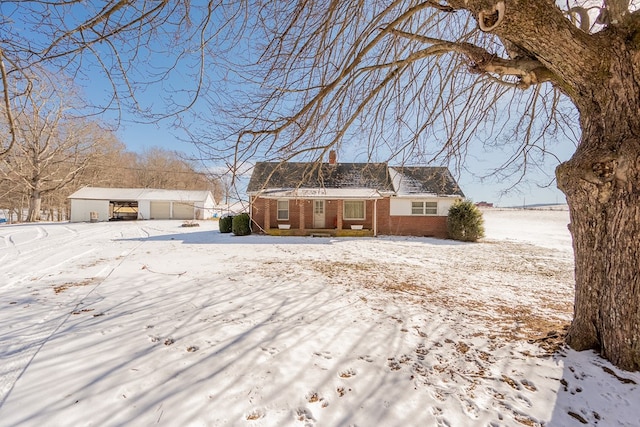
<point x="107" y="204"/>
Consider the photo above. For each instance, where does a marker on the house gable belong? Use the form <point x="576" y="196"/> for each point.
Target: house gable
<point x="411" y="181"/>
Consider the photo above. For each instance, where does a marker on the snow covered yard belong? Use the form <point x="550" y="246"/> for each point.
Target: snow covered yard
<point x="144" y="323"/>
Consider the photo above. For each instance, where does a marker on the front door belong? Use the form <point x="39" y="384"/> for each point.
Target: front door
<point x="318" y="214"/>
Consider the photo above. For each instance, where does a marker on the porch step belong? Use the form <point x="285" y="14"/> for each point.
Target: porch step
<point x="320" y="235"/>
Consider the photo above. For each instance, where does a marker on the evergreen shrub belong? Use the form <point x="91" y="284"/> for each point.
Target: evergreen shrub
<point x="240" y="226"/>
<point x="465" y="222"/>
<point x="225" y="223"/>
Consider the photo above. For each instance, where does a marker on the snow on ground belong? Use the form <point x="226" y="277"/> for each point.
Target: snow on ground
<point x="141" y="323"/>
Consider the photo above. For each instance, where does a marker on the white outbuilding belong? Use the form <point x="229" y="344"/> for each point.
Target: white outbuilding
<point x="108" y="204"/>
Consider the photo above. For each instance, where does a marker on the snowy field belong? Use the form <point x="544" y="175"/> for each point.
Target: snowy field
<point x="148" y="323"/>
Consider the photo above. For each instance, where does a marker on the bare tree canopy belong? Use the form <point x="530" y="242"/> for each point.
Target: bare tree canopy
<point x="52" y="147"/>
<point x="420" y="79"/>
<point x="129" y="46"/>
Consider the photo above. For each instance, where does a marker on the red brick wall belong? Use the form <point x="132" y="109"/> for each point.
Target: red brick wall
<point x="430" y="226"/>
<point x="330" y="214"/>
<point x="259" y="206"/>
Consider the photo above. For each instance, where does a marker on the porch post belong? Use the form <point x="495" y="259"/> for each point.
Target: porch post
<point x="301" y="205"/>
<point x="339" y="214"/>
<point x="267" y="214"/>
<point x="252" y="200"/>
<point x="375" y="217"/>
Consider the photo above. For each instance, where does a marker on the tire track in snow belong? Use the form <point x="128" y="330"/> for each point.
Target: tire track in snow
<point x="14" y="369"/>
<point x="43" y="243"/>
<point x="40" y="233"/>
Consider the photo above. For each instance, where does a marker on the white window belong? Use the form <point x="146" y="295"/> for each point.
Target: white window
<point x="424" y="208"/>
<point x="353" y="209"/>
<point x="283" y="210"/>
<point x="417" y="208"/>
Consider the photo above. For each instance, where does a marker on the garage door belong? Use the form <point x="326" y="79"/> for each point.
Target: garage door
<point x="160" y="210"/>
<point x="182" y="210"/>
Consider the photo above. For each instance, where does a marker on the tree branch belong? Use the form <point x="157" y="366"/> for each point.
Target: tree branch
<point x="528" y="71"/>
<point x="7" y="106"/>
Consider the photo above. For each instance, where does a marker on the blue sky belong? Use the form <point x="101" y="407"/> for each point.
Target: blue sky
<point x="139" y="137"/>
<point x="538" y="186"/>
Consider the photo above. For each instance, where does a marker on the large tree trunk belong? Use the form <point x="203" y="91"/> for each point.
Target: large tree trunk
<point x="605" y="226"/>
<point x="35" y="205"/>
<point x="602" y="186"/>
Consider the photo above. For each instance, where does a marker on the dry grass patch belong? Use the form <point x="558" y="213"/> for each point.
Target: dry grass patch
<point x="544" y="323"/>
<point x="61" y="288"/>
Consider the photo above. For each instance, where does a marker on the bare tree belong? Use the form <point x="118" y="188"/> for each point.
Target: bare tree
<point x="160" y="168"/>
<point x="51" y="146"/>
<point x="423" y="79"/>
<point x="129" y="44"/>
<point x="110" y="165"/>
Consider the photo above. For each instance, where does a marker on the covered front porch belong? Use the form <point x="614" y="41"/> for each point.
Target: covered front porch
<point x="316" y="212"/>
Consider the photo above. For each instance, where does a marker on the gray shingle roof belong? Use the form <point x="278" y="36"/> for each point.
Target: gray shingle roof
<point x="403" y="180"/>
<point x="425" y="180"/>
<point x="274" y="175"/>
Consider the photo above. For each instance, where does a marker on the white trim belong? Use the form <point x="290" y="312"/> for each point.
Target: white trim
<point x="320" y="193"/>
<point x="375" y="217"/>
<point x="401" y="206"/>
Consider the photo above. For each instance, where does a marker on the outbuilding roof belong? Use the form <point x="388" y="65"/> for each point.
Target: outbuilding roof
<point x="122" y="194"/>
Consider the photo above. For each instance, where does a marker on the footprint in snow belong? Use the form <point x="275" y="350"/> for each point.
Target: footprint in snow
<point x="528" y="385"/>
<point x="323" y="354"/>
<point x="270" y="350"/>
<point x="440" y="420"/>
<point x="439" y="395"/>
<point x="469" y="407"/>
<point x="347" y="374"/>
<point x="255" y="415"/>
<point x="314" y="397"/>
<point x="304" y="415"/>
<point x="394" y="365"/>
<point x="514" y="385"/>
<point x="522" y="399"/>
<point x="341" y="391"/>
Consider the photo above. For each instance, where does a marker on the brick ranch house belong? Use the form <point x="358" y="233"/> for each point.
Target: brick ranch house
<point x="349" y="199"/>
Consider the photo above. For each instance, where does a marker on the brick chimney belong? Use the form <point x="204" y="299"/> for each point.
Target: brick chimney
<point x="333" y="157"/>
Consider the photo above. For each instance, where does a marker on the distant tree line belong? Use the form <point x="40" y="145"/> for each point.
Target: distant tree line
<point x="106" y="164"/>
<point x="24" y="179"/>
